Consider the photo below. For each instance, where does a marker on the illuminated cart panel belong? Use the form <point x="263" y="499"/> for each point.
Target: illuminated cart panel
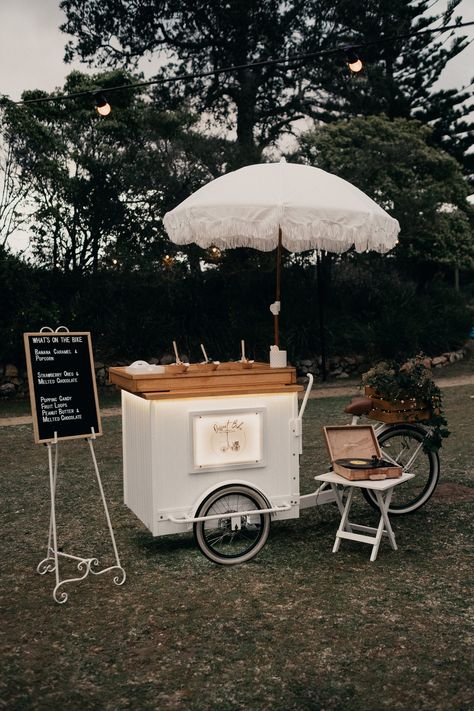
<point x="185" y="436"/>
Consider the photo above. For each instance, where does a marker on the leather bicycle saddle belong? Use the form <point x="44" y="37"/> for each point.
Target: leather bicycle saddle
<point x="359" y="406"/>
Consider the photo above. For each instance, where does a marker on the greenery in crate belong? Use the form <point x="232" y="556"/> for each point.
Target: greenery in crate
<point x="411" y="380"/>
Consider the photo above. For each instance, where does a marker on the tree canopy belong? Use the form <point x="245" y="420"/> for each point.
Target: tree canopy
<point x="394" y="162"/>
<point x="100" y="186"/>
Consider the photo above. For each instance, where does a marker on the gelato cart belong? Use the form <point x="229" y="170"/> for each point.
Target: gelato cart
<point x="214" y="451"/>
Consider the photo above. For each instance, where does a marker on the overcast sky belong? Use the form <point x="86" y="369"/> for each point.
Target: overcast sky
<point x="32" y="48"/>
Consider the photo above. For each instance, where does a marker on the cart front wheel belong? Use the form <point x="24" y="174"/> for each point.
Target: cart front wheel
<point x="232" y="537"/>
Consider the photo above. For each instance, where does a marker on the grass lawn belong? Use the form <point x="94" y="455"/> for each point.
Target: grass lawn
<point x="295" y="628"/>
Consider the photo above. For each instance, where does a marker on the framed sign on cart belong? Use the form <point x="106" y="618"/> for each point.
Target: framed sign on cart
<point x="227" y="439"/>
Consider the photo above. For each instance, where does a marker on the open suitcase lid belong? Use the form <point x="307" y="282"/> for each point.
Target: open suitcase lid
<point x="348" y="441"/>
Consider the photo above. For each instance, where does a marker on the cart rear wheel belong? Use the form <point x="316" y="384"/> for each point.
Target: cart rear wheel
<point x="232" y="539"/>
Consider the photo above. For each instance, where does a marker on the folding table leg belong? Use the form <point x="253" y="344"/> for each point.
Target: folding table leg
<point x="378" y="537"/>
<point x="384" y="506"/>
<point x="338" y="497"/>
<point x="344" y="521"/>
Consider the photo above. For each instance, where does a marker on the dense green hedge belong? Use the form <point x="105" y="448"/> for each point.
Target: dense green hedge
<point x="370" y="308"/>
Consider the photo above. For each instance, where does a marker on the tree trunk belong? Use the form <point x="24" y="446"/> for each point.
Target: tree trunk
<point x="194" y="255"/>
<point x="245" y="102"/>
<point x="95" y="250"/>
<point x="56" y="244"/>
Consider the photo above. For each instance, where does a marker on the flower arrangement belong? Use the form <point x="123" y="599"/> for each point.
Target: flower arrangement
<point x="411" y="382"/>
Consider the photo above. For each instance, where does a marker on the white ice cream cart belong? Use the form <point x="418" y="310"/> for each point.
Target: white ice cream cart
<point x="216" y="452"/>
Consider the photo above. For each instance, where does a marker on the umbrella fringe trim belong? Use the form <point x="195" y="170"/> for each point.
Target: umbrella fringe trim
<point x="230" y="233"/>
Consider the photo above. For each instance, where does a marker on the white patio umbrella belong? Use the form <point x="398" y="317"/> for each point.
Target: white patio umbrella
<point x="270" y="205"/>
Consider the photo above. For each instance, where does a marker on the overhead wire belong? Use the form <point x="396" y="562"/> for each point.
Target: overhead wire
<point x="249" y="65"/>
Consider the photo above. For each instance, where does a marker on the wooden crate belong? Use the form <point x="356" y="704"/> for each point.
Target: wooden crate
<point x="409" y="410"/>
<point x="359" y="442"/>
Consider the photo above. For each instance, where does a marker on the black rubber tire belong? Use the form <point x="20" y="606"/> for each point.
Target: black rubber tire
<point x="412" y="495"/>
<point x="242" y="545"/>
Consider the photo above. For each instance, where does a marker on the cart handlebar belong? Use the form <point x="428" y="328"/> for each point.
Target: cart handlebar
<point x="306" y="396"/>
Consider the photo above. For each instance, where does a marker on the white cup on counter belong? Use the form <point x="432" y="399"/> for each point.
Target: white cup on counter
<point x="277" y="358"/>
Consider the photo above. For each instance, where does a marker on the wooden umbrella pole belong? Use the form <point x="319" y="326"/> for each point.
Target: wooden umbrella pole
<point x="276" y="317"/>
<point x="322" y="330"/>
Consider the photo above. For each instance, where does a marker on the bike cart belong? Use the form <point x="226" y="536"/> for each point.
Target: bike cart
<point x="216" y="452"/>
<point x="199" y="445"/>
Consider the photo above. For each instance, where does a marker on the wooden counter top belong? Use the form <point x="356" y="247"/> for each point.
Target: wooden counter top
<point x="228" y="379"/>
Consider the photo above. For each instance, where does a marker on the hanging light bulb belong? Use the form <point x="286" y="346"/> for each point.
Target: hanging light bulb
<point x="356" y="66"/>
<point x="354" y="62"/>
<point x="214" y="252"/>
<point x="102" y="105"/>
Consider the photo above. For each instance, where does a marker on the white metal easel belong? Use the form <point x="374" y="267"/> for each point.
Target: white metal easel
<point x="84" y="565"/>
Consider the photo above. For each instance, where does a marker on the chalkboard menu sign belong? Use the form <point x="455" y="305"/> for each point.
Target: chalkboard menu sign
<point x="62" y="385"/>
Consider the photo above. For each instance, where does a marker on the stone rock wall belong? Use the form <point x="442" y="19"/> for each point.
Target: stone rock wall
<point x="343" y="367"/>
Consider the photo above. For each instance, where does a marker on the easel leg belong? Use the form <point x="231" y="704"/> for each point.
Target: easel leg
<point x="118" y="579"/>
<point x="84" y="565"/>
<point x="55" y="476"/>
<point x="52" y="554"/>
<point x="52" y="527"/>
<point x="47" y="565"/>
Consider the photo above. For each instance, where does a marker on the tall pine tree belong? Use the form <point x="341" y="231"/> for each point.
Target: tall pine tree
<point x="400" y="77"/>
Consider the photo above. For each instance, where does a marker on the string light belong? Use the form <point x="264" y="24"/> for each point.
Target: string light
<point x="168" y="260"/>
<point x="354" y="62"/>
<point x="102" y="105"/>
<point x="214" y="252"/>
<point x="289" y="60"/>
<point x="356" y="66"/>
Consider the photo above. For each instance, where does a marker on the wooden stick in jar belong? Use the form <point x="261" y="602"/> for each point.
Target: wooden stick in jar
<point x="176" y="353"/>
<point x="204" y="353"/>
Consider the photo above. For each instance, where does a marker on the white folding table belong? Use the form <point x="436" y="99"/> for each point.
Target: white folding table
<point x="383" y="490"/>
